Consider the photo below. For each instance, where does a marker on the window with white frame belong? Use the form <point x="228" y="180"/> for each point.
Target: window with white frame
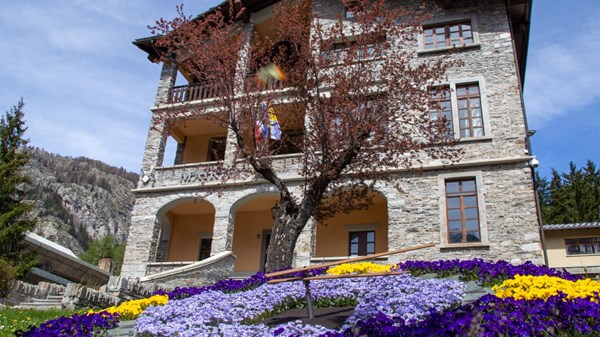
<point x="453" y="34"/>
<point x="461" y="107"/>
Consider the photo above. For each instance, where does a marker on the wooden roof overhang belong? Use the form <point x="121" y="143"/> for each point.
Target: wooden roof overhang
<point x="147" y="43"/>
<point x="519" y="12"/>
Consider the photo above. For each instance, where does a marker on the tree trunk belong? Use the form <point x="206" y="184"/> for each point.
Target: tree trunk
<point x="288" y="225"/>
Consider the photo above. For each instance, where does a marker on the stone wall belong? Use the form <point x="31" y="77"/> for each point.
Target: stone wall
<point x="78" y="296"/>
<point x="25" y="292"/>
<point x="196" y="274"/>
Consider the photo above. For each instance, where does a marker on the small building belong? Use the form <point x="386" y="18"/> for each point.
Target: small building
<point x="58" y="264"/>
<point x="574" y="247"/>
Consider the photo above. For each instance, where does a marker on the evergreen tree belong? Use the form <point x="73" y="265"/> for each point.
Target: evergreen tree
<point x="14" y="224"/>
<point x="105" y="247"/>
<point x="570" y="197"/>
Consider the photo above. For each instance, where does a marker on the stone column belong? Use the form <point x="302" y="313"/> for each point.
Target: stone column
<point x="222" y="234"/>
<point x="305" y="245"/>
<point x="240" y="76"/>
<point x="140" y="245"/>
<point x="155" y="145"/>
<point x="396" y="230"/>
<point x="166" y="82"/>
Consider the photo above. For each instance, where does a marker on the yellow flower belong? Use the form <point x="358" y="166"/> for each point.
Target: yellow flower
<point x="358" y="268"/>
<point x="534" y="287"/>
<point x="132" y="309"/>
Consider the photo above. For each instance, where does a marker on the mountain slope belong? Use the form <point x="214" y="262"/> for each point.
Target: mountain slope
<point x="78" y="199"/>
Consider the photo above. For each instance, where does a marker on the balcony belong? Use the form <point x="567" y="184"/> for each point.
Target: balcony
<point x="201" y="91"/>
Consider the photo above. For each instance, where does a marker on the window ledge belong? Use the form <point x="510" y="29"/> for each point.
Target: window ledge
<point x="421" y="52"/>
<point x="483" y="245"/>
<point x="581" y="255"/>
<point x="341" y="258"/>
<point x="475" y="139"/>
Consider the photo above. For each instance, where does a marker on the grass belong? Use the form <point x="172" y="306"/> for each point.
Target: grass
<point x="12" y="320"/>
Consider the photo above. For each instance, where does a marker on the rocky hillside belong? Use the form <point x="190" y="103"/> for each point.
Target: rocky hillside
<point x="79" y="199"/>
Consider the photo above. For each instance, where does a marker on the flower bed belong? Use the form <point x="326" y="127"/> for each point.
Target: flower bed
<point x="240" y="314"/>
<point x="530" y="300"/>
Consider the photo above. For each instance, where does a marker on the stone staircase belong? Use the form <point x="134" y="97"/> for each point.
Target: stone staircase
<point x="50" y="302"/>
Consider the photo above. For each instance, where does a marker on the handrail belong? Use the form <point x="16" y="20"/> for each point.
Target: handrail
<point x="360" y="258"/>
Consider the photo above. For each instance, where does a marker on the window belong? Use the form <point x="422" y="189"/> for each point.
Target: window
<point x="216" y="148"/>
<point x="340" y="52"/>
<point x="462" y="213"/>
<point x="361" y="243"/>
<point x="441" y="108"/>
<point x="205" y="246"/>
<point x="461" y="106"/>
<point x="469" y="110"/>
<point x="583" y="246"/>
<point x="349" y="10"/>
<point x="448" y="35"/>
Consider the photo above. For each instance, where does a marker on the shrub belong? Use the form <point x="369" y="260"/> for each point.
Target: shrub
<point x="7" y="275"/>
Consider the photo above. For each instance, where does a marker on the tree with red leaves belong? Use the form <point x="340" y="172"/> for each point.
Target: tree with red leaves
<point x="352" y="87"/>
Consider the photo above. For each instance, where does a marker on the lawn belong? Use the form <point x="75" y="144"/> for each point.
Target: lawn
<point x="12" y="320"/>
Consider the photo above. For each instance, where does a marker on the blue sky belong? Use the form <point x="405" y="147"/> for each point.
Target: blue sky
<point x="88" y="90"/>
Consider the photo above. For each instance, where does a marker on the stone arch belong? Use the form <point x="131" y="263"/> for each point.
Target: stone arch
<point x="360" y="232"/>
<point x="186" y="227"/>
<point x="251" y="225"/>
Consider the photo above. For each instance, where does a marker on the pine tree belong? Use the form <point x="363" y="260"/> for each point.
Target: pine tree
<point x="14" y="224"/>
<point x="570" y="197"/>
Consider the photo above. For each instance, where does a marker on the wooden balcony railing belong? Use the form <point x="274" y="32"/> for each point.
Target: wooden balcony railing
<point x="201" y="91"/>
<point x="192" y="92"/>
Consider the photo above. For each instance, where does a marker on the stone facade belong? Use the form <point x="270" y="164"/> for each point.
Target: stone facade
<point x="498" y="160"/>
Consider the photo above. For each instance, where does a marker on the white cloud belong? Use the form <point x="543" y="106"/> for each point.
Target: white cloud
<point x="562" y="73"/>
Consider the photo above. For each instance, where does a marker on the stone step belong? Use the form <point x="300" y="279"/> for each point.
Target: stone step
<point x="55" y="297"/>
<point x="125" y="329"/>
<point x="39" y="306"/>
<point x="47" y="300"/>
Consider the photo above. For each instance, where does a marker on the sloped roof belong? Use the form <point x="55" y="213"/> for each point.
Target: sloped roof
<point x="563" y="226"/>
<point x="63" y="262"/>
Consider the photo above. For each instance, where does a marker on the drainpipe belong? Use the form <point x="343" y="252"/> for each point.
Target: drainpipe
<point x="533" y="163"/>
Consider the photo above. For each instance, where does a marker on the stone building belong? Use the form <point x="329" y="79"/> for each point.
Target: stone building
<point x="483" y="206"/>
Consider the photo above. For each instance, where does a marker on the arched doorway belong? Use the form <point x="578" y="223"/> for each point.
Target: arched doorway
<point x="190" y="225"/>
<point x="252" y="230"/>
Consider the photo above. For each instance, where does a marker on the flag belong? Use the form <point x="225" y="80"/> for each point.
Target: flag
<point x="260" y="127"/>
<point x="274" y="125"/>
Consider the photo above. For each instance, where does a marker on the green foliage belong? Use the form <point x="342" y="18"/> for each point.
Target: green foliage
<point x="14" y="224"/>
<point x="103" y="248"/>
<point x="7" y="275"/>
<point x="570" y="197"/>
<point x="12" y="320"/>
